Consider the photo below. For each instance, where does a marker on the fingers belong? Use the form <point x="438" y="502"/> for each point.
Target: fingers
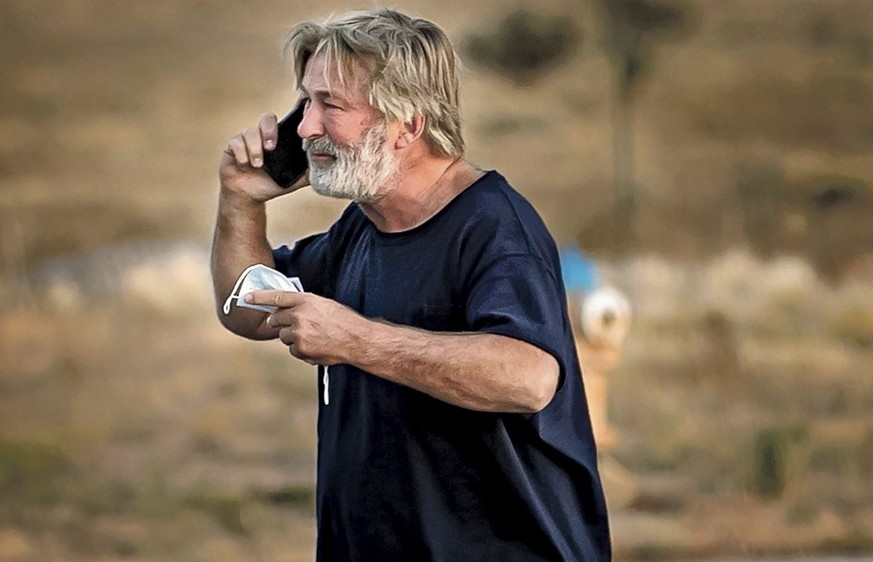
<point x="269" y="127"/>
<point x="254" y="146"/>
<point x="292" y="349"/>
<point x="279" y="299"/>
<point x="248" y="147"/>
<point x="236" y="147"/>
<point x="288" y="337"/>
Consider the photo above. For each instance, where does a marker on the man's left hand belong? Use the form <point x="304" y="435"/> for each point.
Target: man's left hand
<point x="315" y="329"/>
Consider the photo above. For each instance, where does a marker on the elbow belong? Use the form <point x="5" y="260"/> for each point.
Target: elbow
<point x="247" y="327"/>
<point x="232" y="326"/>
<point x="544" y="385"/>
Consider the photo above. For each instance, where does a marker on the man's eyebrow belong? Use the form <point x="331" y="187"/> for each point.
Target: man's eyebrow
<point x="322" y="93"/>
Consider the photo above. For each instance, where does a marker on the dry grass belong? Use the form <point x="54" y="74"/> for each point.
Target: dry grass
<point x="736" y="392"/>
<point x="130" y="414"/>
<point x="124" y="424"/>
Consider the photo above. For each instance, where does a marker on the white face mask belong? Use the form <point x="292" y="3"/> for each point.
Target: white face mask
<point x="259" y="277"/>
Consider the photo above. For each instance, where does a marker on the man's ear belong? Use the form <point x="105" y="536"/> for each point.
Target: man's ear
<point x="410" y="131"/>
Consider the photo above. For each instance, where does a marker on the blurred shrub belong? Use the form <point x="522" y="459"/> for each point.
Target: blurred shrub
<point x="824" y="32"/>
<point x="770" y="463"/>
<point x="855" y="326"/>
<point x="524" y="45"/>
<point x="29" y="471"/>
<point x="722" y="354"/>
<point x="761" y="195"/>
<point x="294" y="497"/>
<point x="224" y="509"/>
<point x="823" y="217"/>
<point x="836" y="463"/>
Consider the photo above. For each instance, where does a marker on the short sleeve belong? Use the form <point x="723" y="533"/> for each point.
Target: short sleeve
<point x="306" y="259"/>
<point x="518" y="296"/>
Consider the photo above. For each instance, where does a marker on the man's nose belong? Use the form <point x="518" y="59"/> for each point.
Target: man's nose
<point x="310" y="126"/>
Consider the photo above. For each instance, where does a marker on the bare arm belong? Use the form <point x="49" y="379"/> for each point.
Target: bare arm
<point x="478" y="371"/>
<point x="484" y="372"/>
<point x="240" y="238"/>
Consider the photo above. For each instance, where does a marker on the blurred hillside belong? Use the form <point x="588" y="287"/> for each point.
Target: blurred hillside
<point x="133" y="427"/>
<point x="751" y="127"/>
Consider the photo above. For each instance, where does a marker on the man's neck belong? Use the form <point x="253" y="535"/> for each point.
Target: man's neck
<point x="424" y="189"/>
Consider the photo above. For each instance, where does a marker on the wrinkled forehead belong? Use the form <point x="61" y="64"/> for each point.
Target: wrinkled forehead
<point x="341" y="76"/>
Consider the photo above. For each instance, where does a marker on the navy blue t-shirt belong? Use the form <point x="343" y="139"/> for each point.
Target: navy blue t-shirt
<point x="403" y="476"/>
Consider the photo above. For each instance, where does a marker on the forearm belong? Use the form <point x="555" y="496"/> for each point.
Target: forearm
<point x="240" y="240"/>
<point x="478" y="371"/>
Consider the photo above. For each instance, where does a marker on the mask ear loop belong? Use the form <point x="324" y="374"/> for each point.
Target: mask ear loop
<point x="233" y="292"/>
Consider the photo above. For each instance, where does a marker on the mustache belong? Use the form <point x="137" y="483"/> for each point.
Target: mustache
<point x="321" y="145"/>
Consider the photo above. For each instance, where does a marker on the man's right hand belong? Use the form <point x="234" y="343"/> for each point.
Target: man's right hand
<point x="241" y="170"/>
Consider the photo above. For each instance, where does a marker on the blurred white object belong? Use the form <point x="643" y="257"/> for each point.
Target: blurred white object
<point x="606" y="317"/>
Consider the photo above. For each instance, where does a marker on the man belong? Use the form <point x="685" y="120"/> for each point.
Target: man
<point x="452" y="424"/>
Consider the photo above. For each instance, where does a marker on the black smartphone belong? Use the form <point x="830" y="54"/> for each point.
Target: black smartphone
<point x="287" y="162"/>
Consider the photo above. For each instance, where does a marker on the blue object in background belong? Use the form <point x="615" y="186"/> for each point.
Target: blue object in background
<point x="579" y="272"/>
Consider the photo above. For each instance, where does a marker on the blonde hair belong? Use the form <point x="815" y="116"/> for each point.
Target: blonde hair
<point x="409" y="63"/>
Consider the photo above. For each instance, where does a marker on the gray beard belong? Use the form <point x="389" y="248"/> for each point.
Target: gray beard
<point x="362" y="172"/>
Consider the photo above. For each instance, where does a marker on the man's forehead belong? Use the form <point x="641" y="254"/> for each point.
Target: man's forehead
<point x="327" y="78"/>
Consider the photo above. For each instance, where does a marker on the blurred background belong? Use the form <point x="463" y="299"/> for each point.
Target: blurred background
<point x="711" y="161"/>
